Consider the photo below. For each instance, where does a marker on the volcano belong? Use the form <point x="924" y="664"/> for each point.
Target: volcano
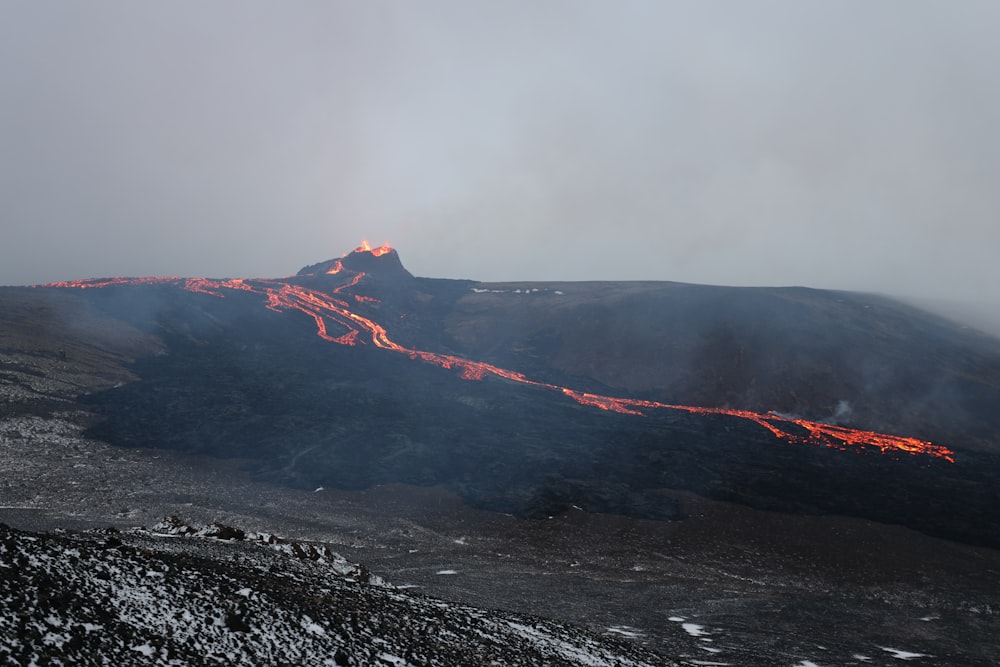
<point x="534" y="397"/>
<point x="655" y="461"/>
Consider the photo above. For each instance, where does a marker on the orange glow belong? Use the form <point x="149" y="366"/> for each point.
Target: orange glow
<point x="331" y="312"/>
<point x="337" y="267"/>
<point x="817" y="433"/>
<point x="89" y="283"/>
<point x="377" y="252"/>
<point x="354" y="283"/>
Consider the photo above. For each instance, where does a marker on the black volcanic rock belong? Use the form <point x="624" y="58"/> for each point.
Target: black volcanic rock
<point x="857" y="359"/>
<point x="67" y="598"/>
<point x="385" y="265"/>
<point x="236" y="379"/>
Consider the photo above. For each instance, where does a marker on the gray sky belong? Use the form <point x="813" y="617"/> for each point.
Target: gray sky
<point x="833" y="144"/>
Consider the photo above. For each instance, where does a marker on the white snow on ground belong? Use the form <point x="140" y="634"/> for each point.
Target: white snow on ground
<point x="694" y="629"/>
<point x="311" y="626"/>
<point x="903" y="655"/>
<point x="534" y="290"/>
<point x="191" y="609"/>
<point x="625" y="630"/>
<point x="676" y="619"/>
<point x="806" y="663"/>
<point x="446" y="572"/>
<point x="583" y="653"/>
<point x="862" y="658"/>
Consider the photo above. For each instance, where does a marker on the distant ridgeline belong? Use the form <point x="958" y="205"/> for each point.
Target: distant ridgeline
<point x="577" y="392"/>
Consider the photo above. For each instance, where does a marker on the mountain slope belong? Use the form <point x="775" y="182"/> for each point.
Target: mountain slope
<point x="856" y="358"/>
<point x="393" y="389"/>
<point x="140" y="598"/>
<point x="309" y="403"/>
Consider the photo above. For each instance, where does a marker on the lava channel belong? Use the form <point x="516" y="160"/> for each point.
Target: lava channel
<point x="331" y="310"/>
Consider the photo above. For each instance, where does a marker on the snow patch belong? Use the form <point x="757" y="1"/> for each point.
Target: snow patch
<point x="544" y="639"/>
<point x="899" y="654"/>
<point x="525" y="290"/>
<point x="313" y="627"/>
<point x="694" y="629"/>
<point x="625" y="631"/>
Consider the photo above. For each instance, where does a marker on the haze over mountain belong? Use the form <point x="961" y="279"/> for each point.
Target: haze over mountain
<point x="843" y="146"/>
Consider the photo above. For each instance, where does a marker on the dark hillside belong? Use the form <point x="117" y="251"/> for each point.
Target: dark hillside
<point x="380" y="399"/>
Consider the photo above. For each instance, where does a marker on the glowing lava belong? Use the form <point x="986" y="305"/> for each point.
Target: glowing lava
<point x="378" y="252"/>
<point x="331" y="312"/>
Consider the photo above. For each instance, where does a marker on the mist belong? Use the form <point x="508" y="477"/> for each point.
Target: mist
<point x="845" y="145"/>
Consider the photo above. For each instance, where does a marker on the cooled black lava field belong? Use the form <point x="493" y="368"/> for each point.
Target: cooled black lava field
<point x="716" y="476"/>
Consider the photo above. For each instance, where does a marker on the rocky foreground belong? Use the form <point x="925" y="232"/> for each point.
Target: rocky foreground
<point x="762" y="553"/>
<point x="180" y="596"/>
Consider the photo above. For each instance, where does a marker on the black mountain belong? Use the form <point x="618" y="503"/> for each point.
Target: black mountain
<point x="236" y="379"/>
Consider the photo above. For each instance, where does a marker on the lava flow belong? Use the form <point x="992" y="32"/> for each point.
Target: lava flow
<point x="332" y="311"/>
<point x="377" y="252"/>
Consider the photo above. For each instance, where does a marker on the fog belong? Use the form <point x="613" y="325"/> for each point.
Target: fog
<point x="848" y="145"/>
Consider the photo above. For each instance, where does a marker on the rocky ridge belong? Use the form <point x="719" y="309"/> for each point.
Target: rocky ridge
<point x="180" y="595"/>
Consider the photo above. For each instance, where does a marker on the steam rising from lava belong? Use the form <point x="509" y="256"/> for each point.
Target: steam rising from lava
<point x="333" y="311"/>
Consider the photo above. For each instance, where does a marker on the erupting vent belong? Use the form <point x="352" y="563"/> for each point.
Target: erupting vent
<point x="337" y="321"/>
<point x="377" y="252"/>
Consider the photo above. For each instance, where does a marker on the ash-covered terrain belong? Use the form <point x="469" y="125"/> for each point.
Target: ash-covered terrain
<point x="177" y="595"/>
<point x="715" y="476"/>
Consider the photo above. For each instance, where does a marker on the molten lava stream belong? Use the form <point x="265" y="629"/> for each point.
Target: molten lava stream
<point x="838" y="437"/>
<point x="323" y="308"/>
